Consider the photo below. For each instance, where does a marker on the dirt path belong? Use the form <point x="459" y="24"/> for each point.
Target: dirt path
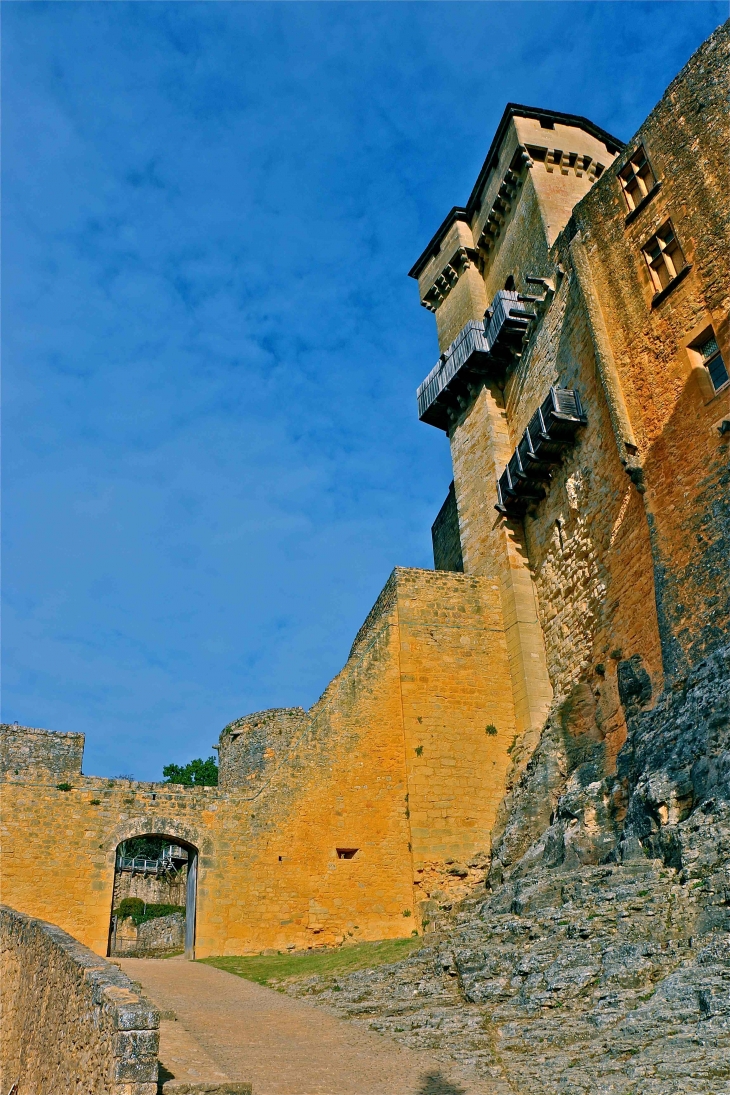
<point x="230" y="1029"/>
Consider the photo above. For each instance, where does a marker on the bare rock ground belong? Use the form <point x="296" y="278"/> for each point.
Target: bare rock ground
<point x="596" y="958"/>
<point x="604" y="981"/>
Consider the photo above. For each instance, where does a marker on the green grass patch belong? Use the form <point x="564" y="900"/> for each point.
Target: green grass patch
<point x="264" y="968"/>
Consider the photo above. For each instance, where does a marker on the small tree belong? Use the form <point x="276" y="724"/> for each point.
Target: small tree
<point x="198" y="773"/>
<point x="147" y="847"/>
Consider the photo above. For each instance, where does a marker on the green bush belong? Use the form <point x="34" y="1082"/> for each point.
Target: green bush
<point x="140" y="912"/>
<point x="130" y="906"/>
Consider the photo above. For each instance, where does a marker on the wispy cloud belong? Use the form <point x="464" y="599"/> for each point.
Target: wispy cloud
<point x="212" y="458"/>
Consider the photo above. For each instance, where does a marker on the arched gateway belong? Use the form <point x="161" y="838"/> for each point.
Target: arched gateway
<point x="154" y="896"/>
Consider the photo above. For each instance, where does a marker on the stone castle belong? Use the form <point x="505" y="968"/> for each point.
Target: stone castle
<point x="552" y="692"/>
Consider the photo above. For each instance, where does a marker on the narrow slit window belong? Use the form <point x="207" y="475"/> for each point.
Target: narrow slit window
<point x="346" y="853"/>
<point x="637" y="179"/>
<point x="664" y="257"/>
<point x="713" y="362"/>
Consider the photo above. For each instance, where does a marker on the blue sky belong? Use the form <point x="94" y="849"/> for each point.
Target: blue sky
<point x="212" y="459"/>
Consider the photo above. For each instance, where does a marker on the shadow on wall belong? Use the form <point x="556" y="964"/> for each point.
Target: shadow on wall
<point x="688" y="487"/>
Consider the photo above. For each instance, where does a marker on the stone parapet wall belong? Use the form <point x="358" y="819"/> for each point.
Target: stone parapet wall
<point x="30" y="753"/>
<point x="91" y="1033"/>
<point x="250" y="745"/>
<point x="393" y="768"/>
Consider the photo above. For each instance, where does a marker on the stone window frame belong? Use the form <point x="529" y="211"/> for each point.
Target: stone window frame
<point x="710" y="325"/>
<point x="700" y="361"/>
<point x="638" y="181"/>
<point x="665" y="260"/>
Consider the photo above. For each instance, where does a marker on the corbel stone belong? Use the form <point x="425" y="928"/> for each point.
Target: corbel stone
<point x="444" y="282"/>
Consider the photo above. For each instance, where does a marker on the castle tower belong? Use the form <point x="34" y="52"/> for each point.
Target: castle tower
<point x="492" y="260"/>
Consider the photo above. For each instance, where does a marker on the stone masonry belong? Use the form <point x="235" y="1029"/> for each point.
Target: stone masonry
<point x="592" y="955"/>
<point x="92" y="1033"/>
<point x="325" y="822"/>
<point x="527" y="753"/>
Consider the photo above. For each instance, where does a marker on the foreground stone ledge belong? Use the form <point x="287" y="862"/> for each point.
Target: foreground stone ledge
<point x="72" y="1022"/>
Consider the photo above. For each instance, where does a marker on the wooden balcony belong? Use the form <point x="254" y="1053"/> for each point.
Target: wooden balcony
<point x="482" y="348"/>
<point x="552" y="430"/>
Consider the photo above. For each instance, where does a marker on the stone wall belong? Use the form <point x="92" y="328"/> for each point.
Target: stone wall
<point x="154" y="889"/>
<point x="28" y="753"/>
<point x="452" y="641"/>
<point x="71" y="1022"/>
<point x="480" y="447"/>
<point x="161" y="935"/>
<point x="316" y="834"/>
<point x="250" y="746"/>
<point x="445" y="536"/>
<point x="588" y="541"/>
<point x="672" y="408"/>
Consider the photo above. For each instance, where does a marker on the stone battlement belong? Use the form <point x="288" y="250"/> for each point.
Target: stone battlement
<point x="248" y="746"/>
<point x="29" y="753"/>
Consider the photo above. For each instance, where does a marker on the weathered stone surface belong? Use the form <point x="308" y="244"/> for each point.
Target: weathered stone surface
<point x="394" y="763"/>
<point x="585" y="980"/>
<point x="445" y="536"/>
<point x="71" y="1022"/>
<point x="32" y="754"/>
<point x="162" y="935"/>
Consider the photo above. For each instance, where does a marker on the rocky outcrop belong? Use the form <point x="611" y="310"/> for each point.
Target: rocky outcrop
<point x="566" y="811"/>
<point x="597" y="958"/>
<point x="603" y="979"/>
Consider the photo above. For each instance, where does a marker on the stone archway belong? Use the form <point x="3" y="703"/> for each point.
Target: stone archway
<point x="174" y="862"/>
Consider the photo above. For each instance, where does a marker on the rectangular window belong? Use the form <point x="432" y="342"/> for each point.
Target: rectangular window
<point x="712" y="360"/>
<point x="664" y="257"/>
<point x="346" y="853"/>
<point x="637" y="178"/>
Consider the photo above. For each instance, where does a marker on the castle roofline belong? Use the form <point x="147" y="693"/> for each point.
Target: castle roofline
<point x="460" y="213"/>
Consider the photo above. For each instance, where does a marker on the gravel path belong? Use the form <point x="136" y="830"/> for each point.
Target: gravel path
<point x="226" y="1028"/>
